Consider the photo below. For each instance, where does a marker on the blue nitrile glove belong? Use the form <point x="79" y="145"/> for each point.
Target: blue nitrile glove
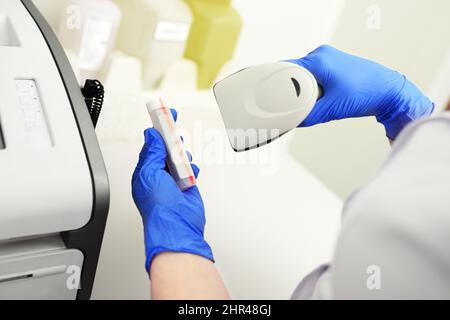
<point x="355" y="87"/>
<point x="173" y="220"/>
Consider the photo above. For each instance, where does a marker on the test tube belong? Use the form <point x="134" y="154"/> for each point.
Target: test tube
<point x="177" y="160"/>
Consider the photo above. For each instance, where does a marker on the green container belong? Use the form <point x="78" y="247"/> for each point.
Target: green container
<point x="213" y="37"/>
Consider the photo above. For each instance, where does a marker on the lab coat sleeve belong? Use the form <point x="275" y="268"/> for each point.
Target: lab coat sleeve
<point x="394" y="241"/>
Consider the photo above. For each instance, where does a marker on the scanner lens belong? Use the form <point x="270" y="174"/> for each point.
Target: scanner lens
<point x="297" y="86"/>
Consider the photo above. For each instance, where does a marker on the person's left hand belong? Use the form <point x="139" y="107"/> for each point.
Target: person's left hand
<point x="174" y="220"/>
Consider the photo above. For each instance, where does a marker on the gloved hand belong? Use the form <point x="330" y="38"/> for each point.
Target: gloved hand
<point x="173" y="220"/>
<point x="355" y="87"/>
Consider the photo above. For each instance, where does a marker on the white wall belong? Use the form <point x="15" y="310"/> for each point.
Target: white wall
<point x="439" y="90"/>
<point x="284" y="29"/>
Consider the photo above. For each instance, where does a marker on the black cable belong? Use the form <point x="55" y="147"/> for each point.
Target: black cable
<point x="94" y="93"/>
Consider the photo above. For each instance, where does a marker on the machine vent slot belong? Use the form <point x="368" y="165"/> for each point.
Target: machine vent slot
<point x="2" y="141"/>
<point x="15" y="278"/>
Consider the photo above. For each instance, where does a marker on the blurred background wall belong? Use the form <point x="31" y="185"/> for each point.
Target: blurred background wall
<point x="265" y="239"/>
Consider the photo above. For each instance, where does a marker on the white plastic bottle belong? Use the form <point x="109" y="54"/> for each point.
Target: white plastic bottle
<point x="88" y="30"/>
<point x="155" y="31"/>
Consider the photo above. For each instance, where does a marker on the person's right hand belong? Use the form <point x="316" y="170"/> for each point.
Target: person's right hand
<point x="355" y="87"/>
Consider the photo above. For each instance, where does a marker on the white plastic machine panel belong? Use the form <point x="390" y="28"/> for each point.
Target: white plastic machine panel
<point x="39" y="269"/>
<point x="46" y="184"/>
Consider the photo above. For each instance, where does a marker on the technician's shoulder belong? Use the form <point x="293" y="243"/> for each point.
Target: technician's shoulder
<point x="395" y="233"/>
<point x="397" y="227"/>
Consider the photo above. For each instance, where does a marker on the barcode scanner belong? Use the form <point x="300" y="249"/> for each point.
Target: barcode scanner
<point x="261" y="103"/>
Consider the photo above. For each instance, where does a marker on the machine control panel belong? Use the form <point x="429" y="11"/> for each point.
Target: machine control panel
<point x="33" y="113"/>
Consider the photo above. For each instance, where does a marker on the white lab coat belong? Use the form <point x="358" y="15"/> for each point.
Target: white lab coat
<point x="395" y="237"/>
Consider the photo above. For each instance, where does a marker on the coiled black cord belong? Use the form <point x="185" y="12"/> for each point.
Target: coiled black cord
<point x="94" y="93"/>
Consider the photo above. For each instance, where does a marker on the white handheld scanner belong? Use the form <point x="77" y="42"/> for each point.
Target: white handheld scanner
<point x="177" y="160"/>
<point x="259" y="104"/>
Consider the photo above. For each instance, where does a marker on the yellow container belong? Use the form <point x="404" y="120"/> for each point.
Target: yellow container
<point x="213" y="37"/>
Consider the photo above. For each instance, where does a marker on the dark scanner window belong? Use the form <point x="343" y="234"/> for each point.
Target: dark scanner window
<point x="297" y="86"/>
